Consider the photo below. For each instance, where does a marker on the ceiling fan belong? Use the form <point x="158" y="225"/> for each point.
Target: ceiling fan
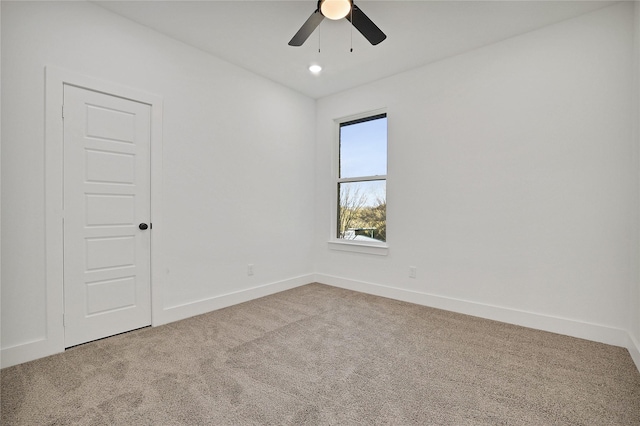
<point x="338" y="9"/>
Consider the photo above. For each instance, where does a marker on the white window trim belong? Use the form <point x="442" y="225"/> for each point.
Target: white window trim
<point x="339" y="244"/>
<point x="381" y="249"/>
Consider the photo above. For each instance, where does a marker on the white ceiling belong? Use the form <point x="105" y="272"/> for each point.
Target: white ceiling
<point x="254" y="34"/>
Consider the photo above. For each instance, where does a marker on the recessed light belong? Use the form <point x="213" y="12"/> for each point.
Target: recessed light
<point x="315" y="69"/>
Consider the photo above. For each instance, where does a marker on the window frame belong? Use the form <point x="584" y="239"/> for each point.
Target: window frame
<point x="377" y="248"/>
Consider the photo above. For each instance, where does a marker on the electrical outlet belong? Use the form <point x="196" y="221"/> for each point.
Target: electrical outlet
<point x="250" y="269"/>
<point x="412" y="271"/>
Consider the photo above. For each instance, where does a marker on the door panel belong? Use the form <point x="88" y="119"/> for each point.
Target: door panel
<point x="106" y="195"/>
<point x="109" y="210"/>
<point x="110" y="124"/>
<point x="110" y="167"/>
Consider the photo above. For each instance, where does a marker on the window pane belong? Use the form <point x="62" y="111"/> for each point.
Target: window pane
<point x="362" y="211"/>
<point x="363" y="148"/>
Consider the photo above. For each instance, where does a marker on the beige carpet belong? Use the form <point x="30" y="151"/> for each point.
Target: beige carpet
<point x="322" y="355"/>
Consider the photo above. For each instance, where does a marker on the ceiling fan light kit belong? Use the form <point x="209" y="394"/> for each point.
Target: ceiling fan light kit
<point x="335" y="9"/>
<point x="338" y="9"/>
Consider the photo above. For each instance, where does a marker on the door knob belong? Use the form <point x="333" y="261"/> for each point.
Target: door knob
<point x="143" y="226"/>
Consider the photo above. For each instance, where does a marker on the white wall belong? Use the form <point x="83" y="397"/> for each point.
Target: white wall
<point x="513" y="174"/>
<point x="238" y="163"/>
<point x="0" y="178"/>
<point x="634" y="296"/>
<point x="512" y="181"/>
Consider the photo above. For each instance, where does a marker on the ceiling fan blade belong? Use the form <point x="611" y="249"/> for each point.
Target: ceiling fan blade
<point x="367" y="28"/>
<point x="307" y="28"/>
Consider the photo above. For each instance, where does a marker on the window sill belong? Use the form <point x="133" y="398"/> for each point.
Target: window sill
<point x="356" y="247"/>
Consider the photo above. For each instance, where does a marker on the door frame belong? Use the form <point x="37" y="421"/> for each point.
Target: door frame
<point x="55" y="79"/>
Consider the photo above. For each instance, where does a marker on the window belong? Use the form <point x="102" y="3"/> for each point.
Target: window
<point x="362" y="180"/>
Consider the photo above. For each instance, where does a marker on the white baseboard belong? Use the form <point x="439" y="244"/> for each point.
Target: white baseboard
<point x="29" y="351"/>
<point x="565" y="326"/>
<point x="613" y="336"/>
<point x="634" y="350"/>
<point x="187" y="310"/>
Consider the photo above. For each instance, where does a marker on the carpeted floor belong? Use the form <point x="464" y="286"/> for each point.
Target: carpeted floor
<point x="323" y="355"/>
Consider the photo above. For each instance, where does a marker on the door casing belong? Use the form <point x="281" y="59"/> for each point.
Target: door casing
<point x="56" y="78"/>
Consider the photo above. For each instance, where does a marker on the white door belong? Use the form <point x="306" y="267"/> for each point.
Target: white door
<point x="106" y="199"/>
